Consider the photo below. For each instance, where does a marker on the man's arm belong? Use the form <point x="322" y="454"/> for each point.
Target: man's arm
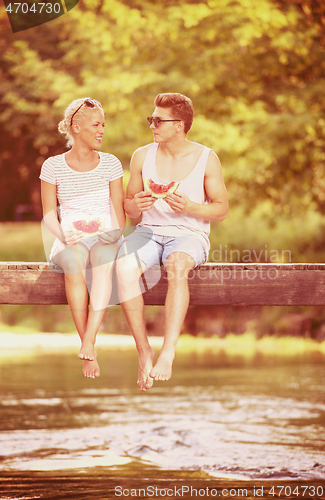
<point x="137" y="200"/>
<point x="215" y="190"/>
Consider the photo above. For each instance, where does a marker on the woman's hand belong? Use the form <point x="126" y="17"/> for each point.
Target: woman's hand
<point x="71" y="237"/>
<point x="109" y="236"/>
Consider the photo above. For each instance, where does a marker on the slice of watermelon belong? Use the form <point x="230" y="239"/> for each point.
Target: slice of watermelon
<point x="90" y="227"/>
<point x="160" y="190"/>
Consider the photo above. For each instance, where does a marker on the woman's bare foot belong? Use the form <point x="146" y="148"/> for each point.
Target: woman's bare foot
<point x="87" y="351"/>
<point x="163" y="368"/>
<point x="91" y="368"/>
<point x="145" y="365"/>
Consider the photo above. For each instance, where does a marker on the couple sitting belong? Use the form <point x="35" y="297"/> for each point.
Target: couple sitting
<point x="174" y="230"/>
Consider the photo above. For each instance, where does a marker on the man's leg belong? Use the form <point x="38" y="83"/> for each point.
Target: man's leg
<point x="177" y="265"/>
<point x="129" y="270"/>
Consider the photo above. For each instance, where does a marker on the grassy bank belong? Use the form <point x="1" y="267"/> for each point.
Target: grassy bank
<point x="244" y="345"/>
<point x="21" y="242"/>
<point x="262" y="237"/>
<point x="241" y="237"/>
<point x="256" y="236"/>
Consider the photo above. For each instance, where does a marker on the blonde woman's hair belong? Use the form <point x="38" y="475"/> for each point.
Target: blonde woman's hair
<point x="65" y="125"/>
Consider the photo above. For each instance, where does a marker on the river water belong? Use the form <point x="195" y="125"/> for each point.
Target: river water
<point x="223" y="416"/>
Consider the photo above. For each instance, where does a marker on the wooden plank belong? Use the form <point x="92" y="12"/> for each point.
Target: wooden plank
<point x="210" y="284"/>
<point x="259" y="285"/>
<point x="31" y="286"/>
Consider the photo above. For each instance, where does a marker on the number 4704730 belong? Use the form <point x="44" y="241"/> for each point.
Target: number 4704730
<point x="298" y="491"/>
<point x="36" y="8"/>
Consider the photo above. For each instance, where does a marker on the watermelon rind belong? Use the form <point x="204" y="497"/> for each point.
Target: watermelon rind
<point x="159" y="190"/>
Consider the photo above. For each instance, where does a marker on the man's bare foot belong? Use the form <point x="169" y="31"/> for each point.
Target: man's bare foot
<point x="91" y="368"/>
<point x="145" y="365"/>
<point x="87" y="351"/>
<point x="163" y="368"/>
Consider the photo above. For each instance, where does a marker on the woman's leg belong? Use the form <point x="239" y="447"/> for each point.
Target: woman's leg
<point x="73" y="260"/>
<point x="102" y="259"/>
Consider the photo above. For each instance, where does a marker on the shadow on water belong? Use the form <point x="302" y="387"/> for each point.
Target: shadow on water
<point x="224" y="422"/>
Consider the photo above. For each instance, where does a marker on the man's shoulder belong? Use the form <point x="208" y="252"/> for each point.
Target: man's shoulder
<point x="196" y="147"/>
<point x="140" y="154"/>
<point x="195" y="144"/>
<point x="143" y="150"/>
<point x="212" y="160"/>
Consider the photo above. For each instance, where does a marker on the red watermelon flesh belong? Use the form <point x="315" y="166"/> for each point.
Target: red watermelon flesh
<point x="160" y="190"/>
<point x="89" y="227"/>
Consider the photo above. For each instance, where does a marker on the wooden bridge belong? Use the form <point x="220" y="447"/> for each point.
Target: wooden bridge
<point x="210" y="284"/>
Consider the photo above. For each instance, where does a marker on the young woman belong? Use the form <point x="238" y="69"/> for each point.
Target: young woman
<point x="87" y="186"/>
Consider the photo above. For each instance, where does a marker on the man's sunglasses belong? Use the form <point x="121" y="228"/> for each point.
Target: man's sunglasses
<point x="91" y="103"/>
<point x="156" y="121"/>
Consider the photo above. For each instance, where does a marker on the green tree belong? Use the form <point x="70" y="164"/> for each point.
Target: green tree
<point x="254" y="69"/>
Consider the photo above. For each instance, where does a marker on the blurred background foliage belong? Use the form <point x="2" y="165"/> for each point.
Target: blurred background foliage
<point x="255" y="70"/>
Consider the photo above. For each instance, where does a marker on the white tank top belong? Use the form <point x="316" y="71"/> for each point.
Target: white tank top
<point x="161" y="218"/>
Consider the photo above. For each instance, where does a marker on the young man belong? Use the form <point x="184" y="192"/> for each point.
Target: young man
<point x="173" y="230"/>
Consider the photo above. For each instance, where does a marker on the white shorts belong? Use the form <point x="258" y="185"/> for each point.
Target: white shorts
<point x="58" y="245"/>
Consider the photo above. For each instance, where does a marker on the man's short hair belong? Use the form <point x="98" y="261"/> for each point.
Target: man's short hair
<point x="181" y="107"/>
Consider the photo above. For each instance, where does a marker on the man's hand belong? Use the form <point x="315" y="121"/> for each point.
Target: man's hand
<point x="144" y="201"/>
<point x="109" y="236"/>
<point x="179" y="202"/>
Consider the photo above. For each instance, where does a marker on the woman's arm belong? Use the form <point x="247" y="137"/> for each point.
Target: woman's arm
<point x="117" y="200"/>
<point x="49" y="204"/>
<point x="117" y="213"/>
<point x="50" y="216"/>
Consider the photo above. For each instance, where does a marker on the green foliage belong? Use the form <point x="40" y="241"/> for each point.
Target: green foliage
<point x="254" y="69"/>
<point x="242" y="237"/>
<point x="21" y="242"/>
<point x="259" y="237"/>
<point x="37" y="318"/>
